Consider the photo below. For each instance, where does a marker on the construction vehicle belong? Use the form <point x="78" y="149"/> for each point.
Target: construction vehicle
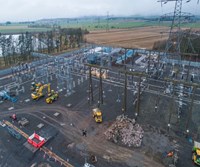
<point x="97" y="115"/>
<point x="23" y="121"/>
<point x="52" y="97"/>
<point x="39" y="93"/>
<point x="196" y="153"/>
<point x="5" y="96"/>
<point x="35" y="86"/>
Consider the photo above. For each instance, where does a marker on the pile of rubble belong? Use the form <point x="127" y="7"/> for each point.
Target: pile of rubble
<point x="126" y="131"/>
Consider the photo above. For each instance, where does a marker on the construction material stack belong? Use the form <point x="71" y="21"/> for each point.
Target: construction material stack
<point x="125" y="131"/>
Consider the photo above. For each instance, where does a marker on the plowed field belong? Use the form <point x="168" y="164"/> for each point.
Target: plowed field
<point x="143" y="37"/>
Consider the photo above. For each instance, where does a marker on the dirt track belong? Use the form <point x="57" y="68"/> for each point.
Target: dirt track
<point x="143" y="37"/>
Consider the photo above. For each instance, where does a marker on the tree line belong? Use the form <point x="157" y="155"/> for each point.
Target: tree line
<point x="17" y="48"/>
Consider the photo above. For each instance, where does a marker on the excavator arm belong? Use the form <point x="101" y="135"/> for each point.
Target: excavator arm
<point x="39" y="93"/>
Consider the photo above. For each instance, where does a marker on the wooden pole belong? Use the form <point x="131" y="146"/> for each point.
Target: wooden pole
<point x="125" y="92"/>
<point x="190" y="111"/>
<point x="138" y="98"/>
<point x="91" y="97"/>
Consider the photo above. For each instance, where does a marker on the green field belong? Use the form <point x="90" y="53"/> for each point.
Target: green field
<point x="91" y="24"/>
<point x="113" y="24"/>
<point x="13" y="28"/>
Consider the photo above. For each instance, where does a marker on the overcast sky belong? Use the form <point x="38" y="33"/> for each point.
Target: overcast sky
<point x="30" y="10"/>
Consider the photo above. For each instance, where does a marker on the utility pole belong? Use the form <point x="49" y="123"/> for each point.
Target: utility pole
<point x="98" y="22"/>
<point x="188" y="71"/>
<point x="149" y="59"/>
<point x="91" y="97"/>
<point x="107" y="22"/>
<point x="157" y="102"/>
<point x="100" y="88"/>
<point x="138" y="98"/>
<point x="125" y="92"/>
<point x="171" y="109"/>
<point x="158" y="59"/>
<point x="125" y="57"/>
<point x="190" y="111"/>
<point x="132" y="58"/>
<point x="132" y="62"/>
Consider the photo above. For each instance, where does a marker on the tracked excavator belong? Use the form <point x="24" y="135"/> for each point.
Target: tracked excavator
<point x="53" y="96"/>
<point x="39" y="93"/>
<point x="196" y="153"/>
<point x="35" y="86"/>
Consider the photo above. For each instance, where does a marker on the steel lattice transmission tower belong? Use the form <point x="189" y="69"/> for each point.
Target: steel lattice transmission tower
<point x="107" y="22"/>
<point x="175" y="33"/>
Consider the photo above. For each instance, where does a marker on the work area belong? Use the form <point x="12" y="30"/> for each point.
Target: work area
<point x="94" y="111"/>
<point x="106" y="98"/>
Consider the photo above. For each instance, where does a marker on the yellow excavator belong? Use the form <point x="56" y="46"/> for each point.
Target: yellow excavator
<point x="53" y="96"/>
<point x="39" y="93"/>
<point x="97" y="115"/>
<point x="35" y="86"/>
<point x="196" y="153"/>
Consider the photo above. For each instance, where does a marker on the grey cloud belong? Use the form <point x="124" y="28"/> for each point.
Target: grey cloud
<point x="21" y="10"/>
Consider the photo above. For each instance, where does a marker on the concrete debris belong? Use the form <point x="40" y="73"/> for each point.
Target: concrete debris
<point x="44" y="165"/>
<point x="71" y="145"/>
<point x="88" y="165"/>
<point x="107" y="157"/>
<point x="125" y="131"/>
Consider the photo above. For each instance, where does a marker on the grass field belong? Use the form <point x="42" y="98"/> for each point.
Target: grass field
<point x="92" y="24"/>
<point x="120" y="24"/>
<point x="13" y="28"/>
<point x="113" y="24"/>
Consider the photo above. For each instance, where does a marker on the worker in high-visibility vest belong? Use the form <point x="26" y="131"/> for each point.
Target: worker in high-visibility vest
<point x="170" y="154"/>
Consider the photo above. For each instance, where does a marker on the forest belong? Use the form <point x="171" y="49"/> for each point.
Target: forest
<point x="18" y="48"/>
